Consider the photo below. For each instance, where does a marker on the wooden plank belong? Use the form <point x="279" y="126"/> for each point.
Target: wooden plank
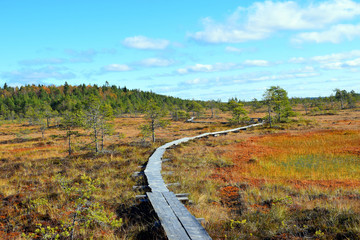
<point x="140" y="187"/>
<point x="182" y="195"/>
<point x="173" y="228"/>
<point x="137" y="174"/>
<point x="137" y="197"/>
<point x="183" y="199"/>
<point x="141" y="198"/>
<point x="153" y="171"/>
<point x="192" y="226"/>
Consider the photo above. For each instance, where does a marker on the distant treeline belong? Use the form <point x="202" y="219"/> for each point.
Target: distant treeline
<point x="20" y="102"/>
<point x="340" y="99"/>
<point x="16" y="102"/>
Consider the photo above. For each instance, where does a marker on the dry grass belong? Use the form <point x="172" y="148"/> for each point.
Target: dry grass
<point x="30" y="163"/>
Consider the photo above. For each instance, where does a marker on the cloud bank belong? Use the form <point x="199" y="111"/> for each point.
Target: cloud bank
<point x="262" y="19"/>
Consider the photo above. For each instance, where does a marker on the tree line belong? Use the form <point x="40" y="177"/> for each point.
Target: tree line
<point x="30" y="101"/>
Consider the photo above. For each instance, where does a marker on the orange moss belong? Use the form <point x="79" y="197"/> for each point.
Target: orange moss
<point x="230" y="196"/>
<point x="260" y="208"/>
<point x="247" y="154"/>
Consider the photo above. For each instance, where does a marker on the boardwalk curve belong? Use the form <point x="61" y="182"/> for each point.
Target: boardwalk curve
<point x="176" y="220"/>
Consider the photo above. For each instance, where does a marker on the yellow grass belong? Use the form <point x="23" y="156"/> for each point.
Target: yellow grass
<point x="317" y="156"/>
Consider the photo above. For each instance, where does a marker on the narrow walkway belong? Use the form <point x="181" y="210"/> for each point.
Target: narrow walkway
<point x="176" y="220"/>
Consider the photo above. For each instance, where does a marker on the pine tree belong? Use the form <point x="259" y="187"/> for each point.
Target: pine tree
<point x="69" y="122"/>
<point x="97" y="116"/>
<point x="277" y="100"/>
<point x="154" y="114"/>
<point x="238" y="112"/>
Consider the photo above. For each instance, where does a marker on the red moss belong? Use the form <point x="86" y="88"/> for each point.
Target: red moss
<point x="260" y="208"/>
<point x="230" y="195"/>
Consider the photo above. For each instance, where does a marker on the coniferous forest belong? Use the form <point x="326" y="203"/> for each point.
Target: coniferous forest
<point x="45" y="101"/>
<point x="50" y="101"/>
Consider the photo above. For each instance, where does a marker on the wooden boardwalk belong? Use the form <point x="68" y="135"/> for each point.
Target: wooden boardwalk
<point x="176" y="220"/>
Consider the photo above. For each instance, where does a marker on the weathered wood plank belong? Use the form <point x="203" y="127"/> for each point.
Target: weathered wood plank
<point x="192" y="226"/>
<point x="171" y="224"/>
<point x="182" y="195"/>
<point x="137" y="174"/>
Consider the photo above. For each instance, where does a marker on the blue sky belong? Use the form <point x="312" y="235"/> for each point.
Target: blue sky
<point x="189" y="49"/>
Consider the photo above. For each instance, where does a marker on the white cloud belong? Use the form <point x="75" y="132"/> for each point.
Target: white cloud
<point x="277" y="15"/>
<point x="345" y="60"/>
<point x="336" y="56"/>
<point x="355" y="63"/>
<point x="234" y="49"/>
<point x="226" y="33"/>
<point x="307" y="69"/>
<point x="182" y="71"/>
<point x="297" y="60"/>
<point x="196" y="81"/>
<point x="208" y="68"/>
<point x="333" y="61"/>
<point x="217" y="67"/>
<point x="141" y="42"/>
<point x="256" y="63"/>
<point x="197" y="68"/>
<point x="116" y="68"/>
<point x="290" y="16"/>
<point x="156" y="62"/>
<point x="261" y="19"/>
<point x="332" y="66"/>
<point x="335" y="34"/>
